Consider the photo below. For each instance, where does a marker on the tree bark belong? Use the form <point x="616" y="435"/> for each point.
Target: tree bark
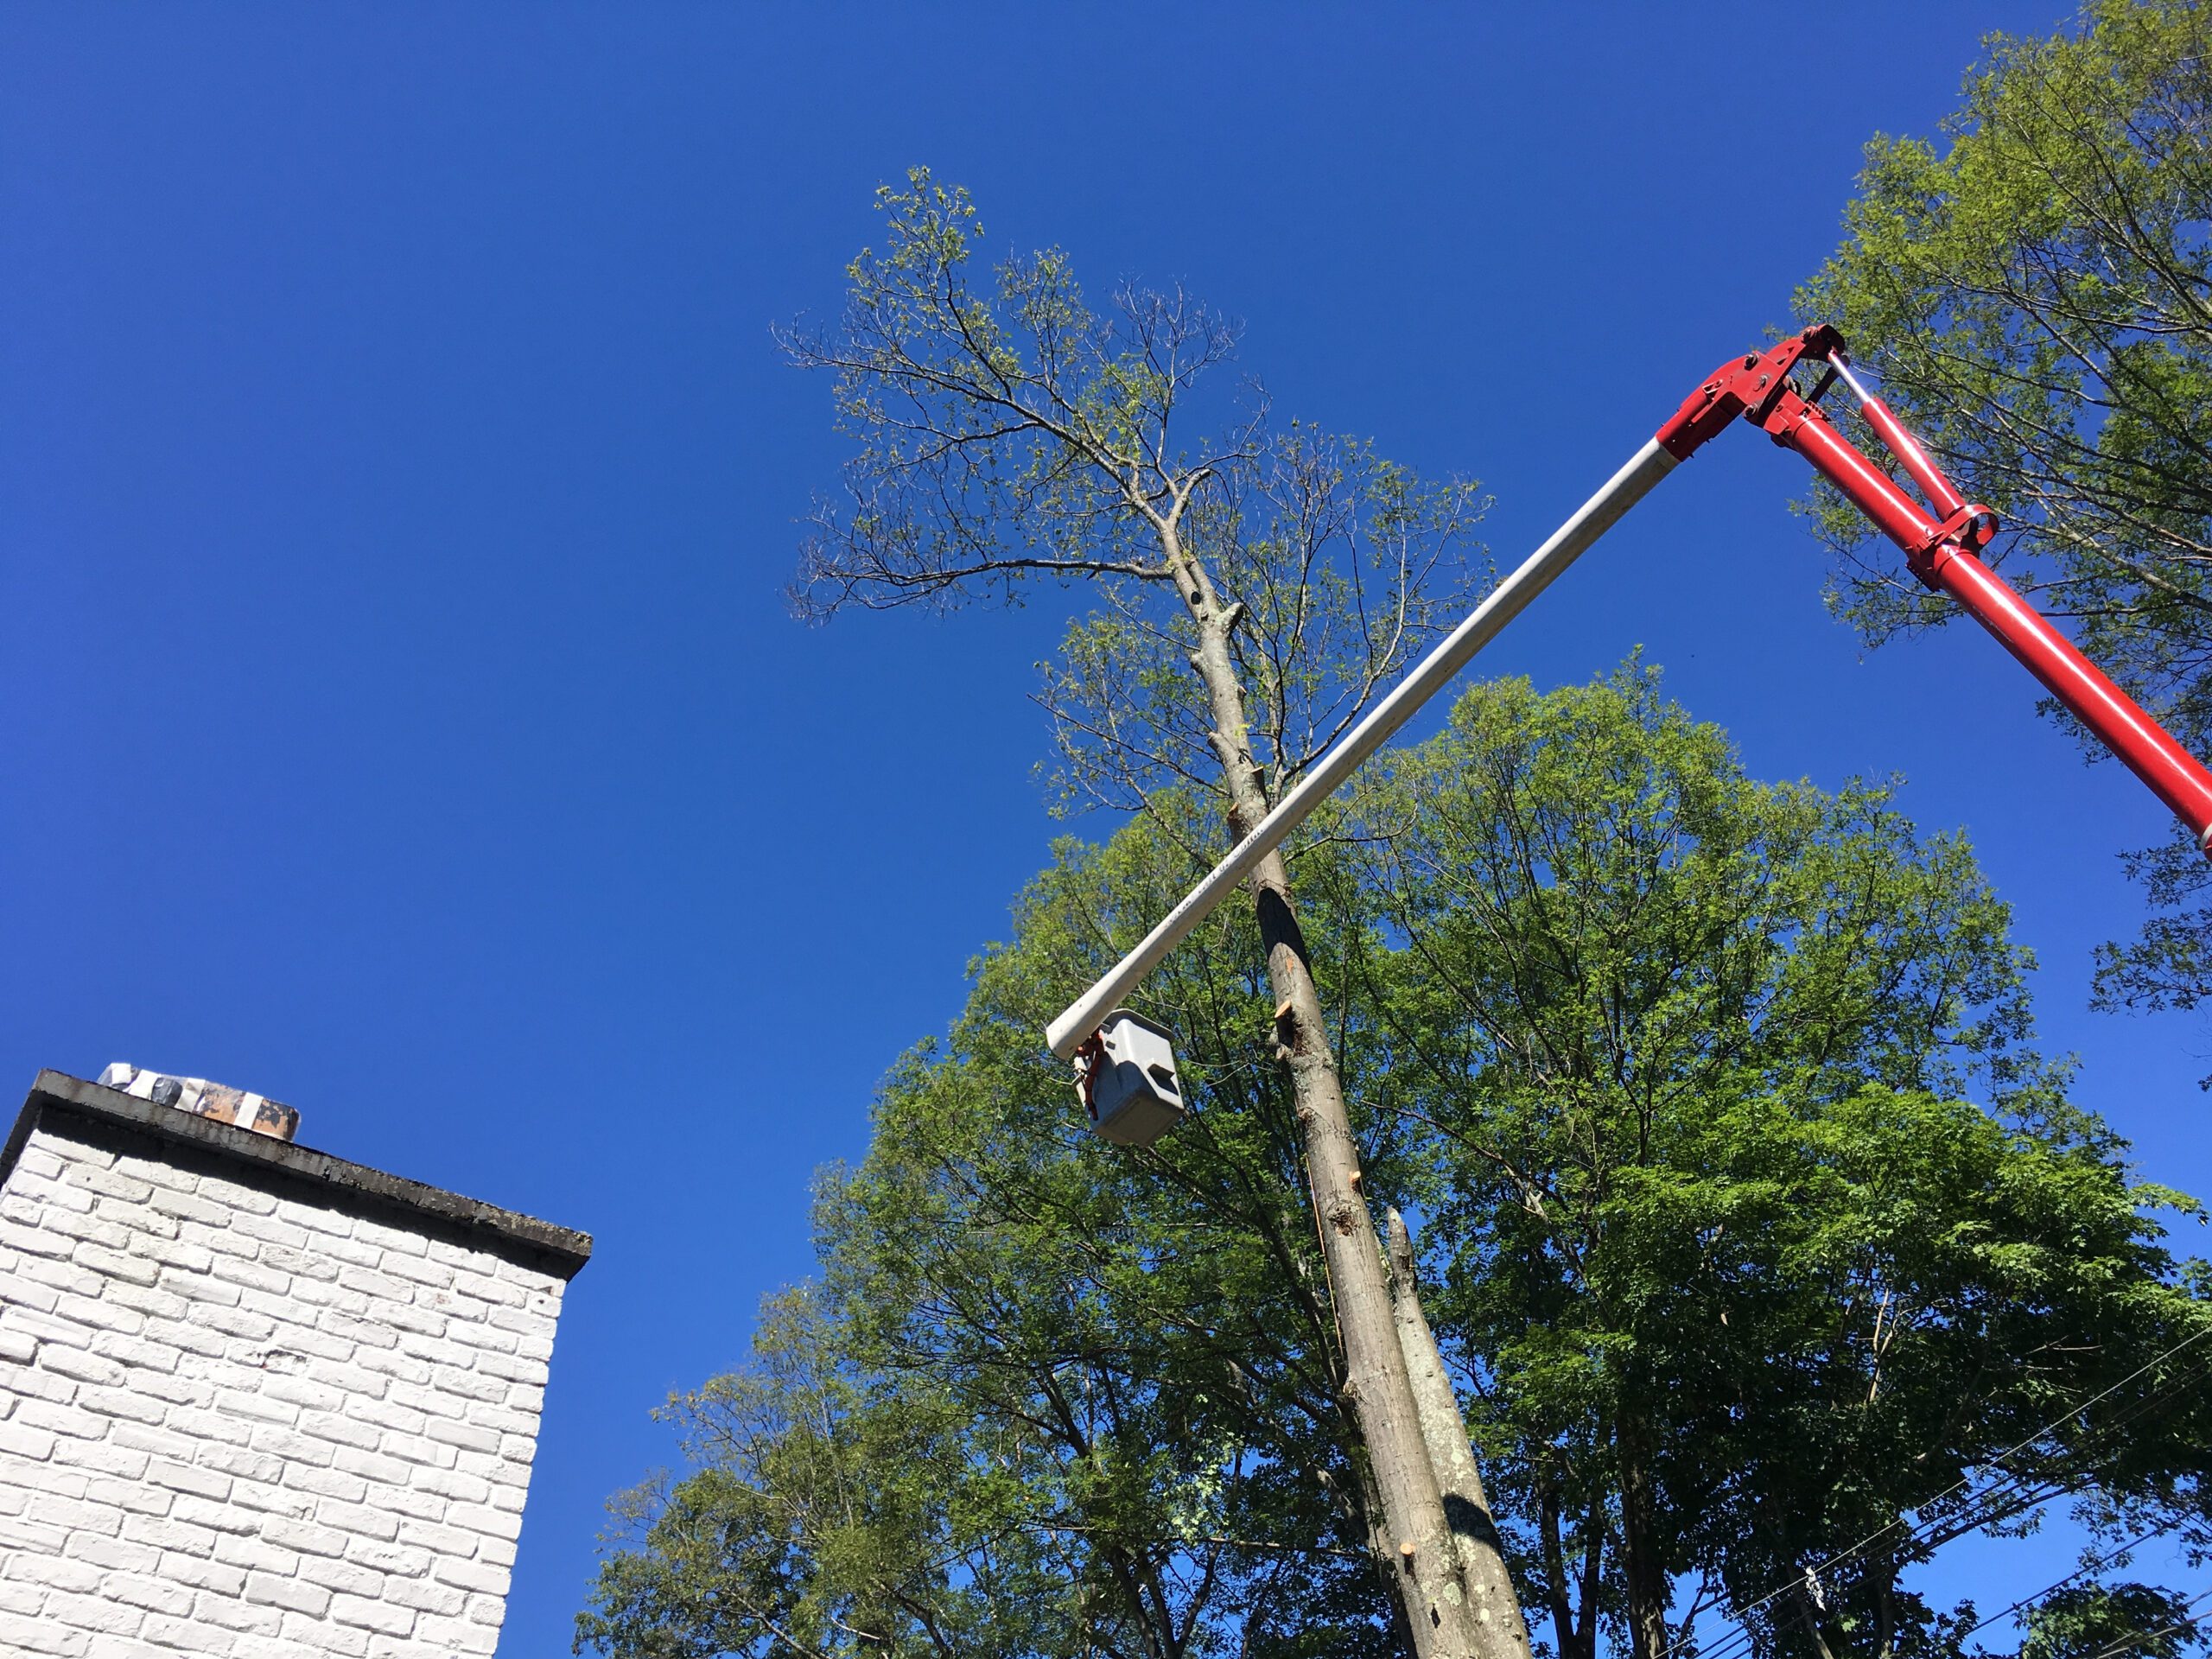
<point x="1425" y="1567"/>
<point x="1813" y="1617"/>
<point x="1501" y="1628"/>
<point x="1643" y="1572"/>
<point x="1575" y="1638"/>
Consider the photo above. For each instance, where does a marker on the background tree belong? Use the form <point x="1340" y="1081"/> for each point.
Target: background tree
<point x="817" y="1523"/>
<point x="2120" y="1621"/>
<point x="1092" y="1387"/>
<point x="1259" y="588"/>
<point x="1671" y="1065"/>
<point x="1741" y="1274"/>
<point x="2036" y="293"/>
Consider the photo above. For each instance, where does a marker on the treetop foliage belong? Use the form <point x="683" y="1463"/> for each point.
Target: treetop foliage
<point x="1007" y="431"/>
<point x="2034" y="292"/>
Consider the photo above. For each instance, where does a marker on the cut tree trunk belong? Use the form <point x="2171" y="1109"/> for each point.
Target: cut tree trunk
<point x="1424" y="1567"/>
<point x="1466" y="1510"/>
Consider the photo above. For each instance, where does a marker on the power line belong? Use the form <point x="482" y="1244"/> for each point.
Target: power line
<point x="2095" y="1566"/>
<point x="1926" y="1529"/>
<point x="1739" y="1614"/>
<point x="2121" y="1645"/>
<point x="1740" y="1641"/>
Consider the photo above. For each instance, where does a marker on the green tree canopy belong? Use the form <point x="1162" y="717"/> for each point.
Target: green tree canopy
<point x="2120" y="1621"/>
<point x="1750" y="1215"/>
<point x="1116" y="1367"/>
<point x="1763" y="1224"/>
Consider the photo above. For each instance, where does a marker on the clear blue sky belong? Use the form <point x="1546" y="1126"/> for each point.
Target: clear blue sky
<point x="400" y="716"/>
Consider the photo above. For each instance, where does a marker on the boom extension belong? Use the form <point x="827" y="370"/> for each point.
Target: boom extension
<point x="1940" y="542"/>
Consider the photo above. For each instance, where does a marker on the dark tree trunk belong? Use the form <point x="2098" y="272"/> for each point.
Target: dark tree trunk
<point x="1644" y="1568"/>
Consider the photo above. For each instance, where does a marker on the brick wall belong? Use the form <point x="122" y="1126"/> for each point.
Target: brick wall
<point x="244" y="1414"/>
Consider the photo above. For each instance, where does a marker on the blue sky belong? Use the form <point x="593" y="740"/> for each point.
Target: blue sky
<point x="400" y="715"/>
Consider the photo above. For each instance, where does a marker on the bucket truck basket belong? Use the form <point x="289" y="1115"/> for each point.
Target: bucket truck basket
<point x="1126" y="1078"/>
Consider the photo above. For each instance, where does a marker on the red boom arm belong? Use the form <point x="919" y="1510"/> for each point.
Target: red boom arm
<point x="1939" y="546"/>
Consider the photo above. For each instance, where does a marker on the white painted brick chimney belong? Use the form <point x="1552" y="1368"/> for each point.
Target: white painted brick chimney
<point x="255" y="1401"/>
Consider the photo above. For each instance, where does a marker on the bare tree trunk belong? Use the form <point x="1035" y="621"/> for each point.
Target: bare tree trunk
<point x="1474" y="1535"/>
<point x="1425" y="1567"/>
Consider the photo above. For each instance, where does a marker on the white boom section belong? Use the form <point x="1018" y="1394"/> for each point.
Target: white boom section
<point x="1590" y="520"/>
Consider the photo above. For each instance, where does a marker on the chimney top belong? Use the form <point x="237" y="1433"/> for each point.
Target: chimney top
<point x="206" y="1099"/>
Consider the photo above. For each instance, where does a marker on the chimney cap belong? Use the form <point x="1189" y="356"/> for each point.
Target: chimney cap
<point x="112" y="1116"/>
<point x="205" y="1099"/>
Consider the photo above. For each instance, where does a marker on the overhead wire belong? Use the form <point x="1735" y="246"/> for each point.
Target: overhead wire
<point x="1740" y="1641"/>
<point x="1741" y="1638"/>
<point x="1925" y="1529"/>
<point x="2096" y="1565"/>
<point x="2122" y="1643"/>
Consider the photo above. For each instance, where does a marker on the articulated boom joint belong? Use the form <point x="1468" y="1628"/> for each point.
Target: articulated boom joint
<point x="1756" y="386"/>
<point x="1973" y="527"/>
<point x="1941" y="537"/>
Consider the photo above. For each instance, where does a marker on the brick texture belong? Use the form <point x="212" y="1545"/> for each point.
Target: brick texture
<point x="236" y="1422"/>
